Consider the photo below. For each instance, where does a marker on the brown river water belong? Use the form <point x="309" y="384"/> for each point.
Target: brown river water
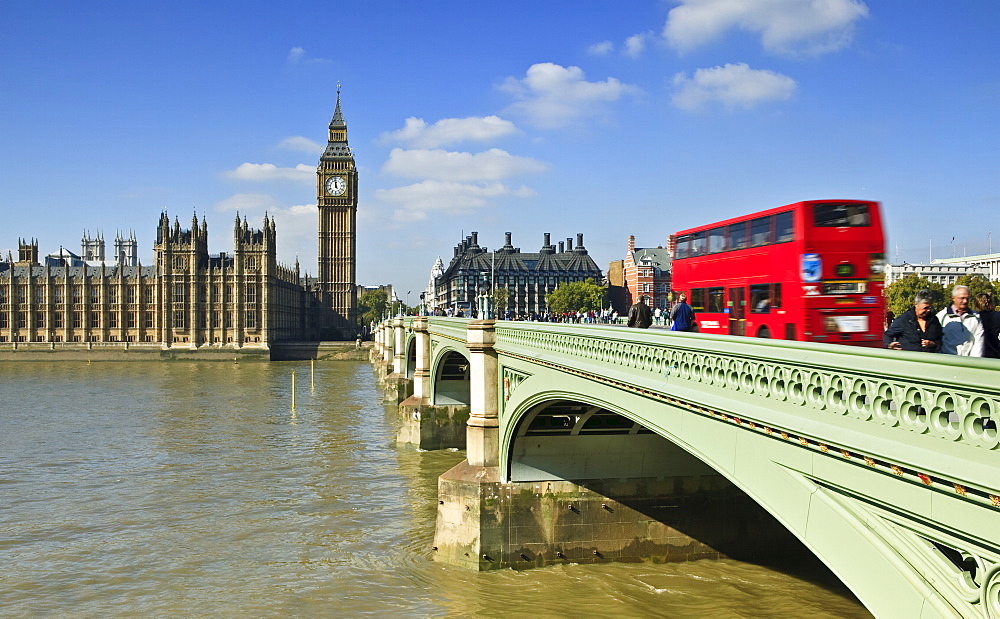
<point x="193" y="489"/>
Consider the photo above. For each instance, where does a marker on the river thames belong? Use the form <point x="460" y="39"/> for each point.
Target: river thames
<point x="194" y="489"/>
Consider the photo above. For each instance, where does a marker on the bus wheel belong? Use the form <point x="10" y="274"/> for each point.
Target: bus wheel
<point x="764" y="332"/>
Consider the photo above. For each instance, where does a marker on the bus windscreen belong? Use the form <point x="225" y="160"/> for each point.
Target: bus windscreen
<point x="841" y="215"/>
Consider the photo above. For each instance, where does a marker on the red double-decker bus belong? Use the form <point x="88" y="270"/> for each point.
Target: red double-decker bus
<point x="809" y="271"/>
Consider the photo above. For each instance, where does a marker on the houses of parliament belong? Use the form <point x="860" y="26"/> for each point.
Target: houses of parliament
<point x="188" y="298"/>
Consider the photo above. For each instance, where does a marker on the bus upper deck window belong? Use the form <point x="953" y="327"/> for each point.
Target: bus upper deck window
<point x="841" y="215"/>
<point x="697" y="243"/>
<point x="760" y="231"/>
<point x="784" y="230"/>
<point x="738" y="235"/>
<point x="716" y="240"/>
<point x="684" y="246"/>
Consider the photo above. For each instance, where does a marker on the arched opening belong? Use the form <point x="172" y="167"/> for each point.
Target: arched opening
<point x="451" y="380"/>
<point x="411" y="357"/>
<point x="589" y="466"/>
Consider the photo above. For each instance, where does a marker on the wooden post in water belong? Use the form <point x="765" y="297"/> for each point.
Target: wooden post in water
<point x="293" y="389"/>
<point x="312" y="376"/>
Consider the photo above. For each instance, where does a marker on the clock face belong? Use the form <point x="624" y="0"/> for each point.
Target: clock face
<point x="336" y="185"/>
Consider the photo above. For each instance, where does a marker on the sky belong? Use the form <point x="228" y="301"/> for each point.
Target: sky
<point x="603" y="118"/>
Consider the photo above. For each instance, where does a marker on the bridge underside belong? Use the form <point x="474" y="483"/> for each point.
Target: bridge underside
<point x="875" y="542"/>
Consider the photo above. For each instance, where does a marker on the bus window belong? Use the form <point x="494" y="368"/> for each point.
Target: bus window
<point x="738" y="235"/>
<point x="716" y="301"/>
<point x="776" y="295"/>
<point x="783" y="227"/>
<point x="760" y="231"/>
<point x="716" y="240"/>
<point x="697" y="243"/>
<point x="841" y="215"/>
<point x="684" y="246"/>
<point x="760" y="298"/>
<point x="697" y="299"/>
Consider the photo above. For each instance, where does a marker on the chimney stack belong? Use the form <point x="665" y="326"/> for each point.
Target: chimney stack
<point x="631" y="242"/>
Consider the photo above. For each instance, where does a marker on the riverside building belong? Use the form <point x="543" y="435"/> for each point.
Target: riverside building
<point x="188" y="298"/>
<point x="529" y="277"/>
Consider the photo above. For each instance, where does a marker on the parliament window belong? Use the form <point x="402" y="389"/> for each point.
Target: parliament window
<point x="179" y="319"/>
<point x="95" y="295"/>
<point x="57" y="294"/>
<point x="39" y="296"/>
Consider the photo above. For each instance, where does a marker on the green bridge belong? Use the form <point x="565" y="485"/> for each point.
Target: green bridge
<point x="602" y="443"/>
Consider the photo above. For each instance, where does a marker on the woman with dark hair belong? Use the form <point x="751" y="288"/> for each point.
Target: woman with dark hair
<point x="991" y="325"/>
<point x="917" y="328"/>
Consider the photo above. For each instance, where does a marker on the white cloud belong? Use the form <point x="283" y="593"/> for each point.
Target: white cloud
<point x="298" y="55"/>
<point x="295" y="225"/>
<point x="415" y="202"/>
<point x="635" y="45"/>
<point x="733" y="85"/>
<point x="270" y="172"/>
<point x="601" y="49"/>
<point x="552" y="96"/>
<point x="785" y="26"/>
<point x="442" y="165"/>
<point x="418" y="133"/>
<point x="300" y="144"/>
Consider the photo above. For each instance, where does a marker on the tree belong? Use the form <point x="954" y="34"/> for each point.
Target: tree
<point x="977" y="284"/>
<point x="583" y="296"/>
<point x="899" y="295"/>
<point x="371" y="306"/>
<point x="500" y="298"/>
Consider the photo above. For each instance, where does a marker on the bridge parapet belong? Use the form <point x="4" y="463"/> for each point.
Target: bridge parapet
<point x="945" y="404"/>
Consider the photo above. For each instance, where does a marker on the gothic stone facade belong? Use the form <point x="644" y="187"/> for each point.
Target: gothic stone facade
<point x="187" y="298"/>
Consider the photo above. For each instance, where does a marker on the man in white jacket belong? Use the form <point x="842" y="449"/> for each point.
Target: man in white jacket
<point x="963" y="331"/>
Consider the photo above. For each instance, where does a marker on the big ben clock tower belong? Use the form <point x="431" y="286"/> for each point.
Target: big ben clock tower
<point x="337" y="199"/>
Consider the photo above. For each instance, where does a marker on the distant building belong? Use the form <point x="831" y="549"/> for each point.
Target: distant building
<point x="429" y="297"/>
<point x="990" y="262"/>
<point x="187" y="298"/>
<point x="937" y="272"/>
<point x="529" y="277"/>
<point x="646" y="274"/>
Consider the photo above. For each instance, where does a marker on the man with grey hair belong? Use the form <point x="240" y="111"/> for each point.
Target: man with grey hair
<point x="917" y="328"/>
<point x="963" y="331"/>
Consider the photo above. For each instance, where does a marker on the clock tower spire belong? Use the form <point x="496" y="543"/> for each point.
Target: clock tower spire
<point x="337" y="200"/>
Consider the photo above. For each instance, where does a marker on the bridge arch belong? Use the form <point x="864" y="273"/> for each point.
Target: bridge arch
<point x="871" y="545"/>
<point x="450" y="377"/>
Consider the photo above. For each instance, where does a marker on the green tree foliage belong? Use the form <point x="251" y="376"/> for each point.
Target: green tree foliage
<point x="977" y="284"/>
<point x="899" y="295"/>
<point x="500" y="297"/>
<point x="583" y="296"/>
<point x="371" y="306"/>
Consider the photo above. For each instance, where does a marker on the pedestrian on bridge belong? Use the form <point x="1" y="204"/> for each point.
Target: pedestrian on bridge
<point x="963" y="332"/>
<point x="639" y="315"/>
<point x="682" y="315"/>
<point x="991" y="325"/>
<point x="917" y="328"/>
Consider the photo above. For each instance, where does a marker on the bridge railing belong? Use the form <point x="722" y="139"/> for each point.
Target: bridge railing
<point x="907" y="403"/>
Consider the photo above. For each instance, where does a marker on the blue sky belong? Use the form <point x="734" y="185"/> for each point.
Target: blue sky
<point x="606" y="118"/>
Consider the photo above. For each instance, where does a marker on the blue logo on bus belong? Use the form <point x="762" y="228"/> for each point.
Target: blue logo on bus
<point x="869" y="300"/>
<point x="812" y="268"/>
